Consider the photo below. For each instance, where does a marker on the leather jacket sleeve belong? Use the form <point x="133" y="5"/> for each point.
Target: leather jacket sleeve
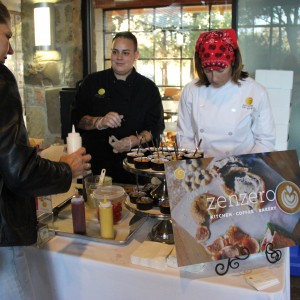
<point x="22" y="170"/>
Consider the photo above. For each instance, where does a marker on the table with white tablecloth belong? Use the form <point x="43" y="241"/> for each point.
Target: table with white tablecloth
<point x="71" y="268"/>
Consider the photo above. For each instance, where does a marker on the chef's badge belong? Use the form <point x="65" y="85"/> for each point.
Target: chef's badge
<point x="248" y="104"/>
<point x="100" y="93"/>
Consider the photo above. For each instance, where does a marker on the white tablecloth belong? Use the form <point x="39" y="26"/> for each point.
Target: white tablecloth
<point x="74" y="269"/>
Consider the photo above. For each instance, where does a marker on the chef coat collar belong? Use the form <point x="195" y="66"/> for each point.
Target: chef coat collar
<point x="130" y="78"/>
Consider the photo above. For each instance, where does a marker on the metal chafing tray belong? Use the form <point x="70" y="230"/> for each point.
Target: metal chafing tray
<point x="124" y="230"/>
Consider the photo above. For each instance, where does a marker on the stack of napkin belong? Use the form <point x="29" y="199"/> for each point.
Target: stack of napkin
<point x="159" y="256"/>
<point x="152" y="254"/>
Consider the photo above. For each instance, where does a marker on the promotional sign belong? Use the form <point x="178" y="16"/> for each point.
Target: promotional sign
<point x="220" y="206"/>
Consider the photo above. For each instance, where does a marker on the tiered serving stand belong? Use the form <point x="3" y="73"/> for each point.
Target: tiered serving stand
<point x="162" y="231"/>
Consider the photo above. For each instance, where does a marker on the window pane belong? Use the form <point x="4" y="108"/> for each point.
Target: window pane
<point x="146" y="68"/>
<point x="269" y="35"/>
<point x="189" y="43"/>
<point x="221" y="16"/>
<point x="167" y="72"/>
<point x="107" y="45"/>
<point x="167" y="37"/>
<point x="141" y="19"/>
<point x="116" y="20"/>
<point x="166" y="44"/>
<point x="168" y="18"/>
<point x="195" y="17"/>
<point x="254" y="47"/>
<point x="145" y="42"/>
<point x="187" y="72"/>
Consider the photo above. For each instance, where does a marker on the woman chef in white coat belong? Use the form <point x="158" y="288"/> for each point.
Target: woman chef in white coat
<point x="224" y="108"/>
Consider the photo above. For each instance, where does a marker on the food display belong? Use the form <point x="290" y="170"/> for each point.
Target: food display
<point x="153" y="159"/>
<point x="151" y="162"/>
<point x="148" y="205"/>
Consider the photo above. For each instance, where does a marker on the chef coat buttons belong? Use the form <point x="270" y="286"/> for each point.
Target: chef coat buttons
<point x="229" y="133"/>
<point x="201" y="130"/>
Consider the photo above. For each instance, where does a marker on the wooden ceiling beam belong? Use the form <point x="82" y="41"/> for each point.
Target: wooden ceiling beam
<point x="119" y="4"/>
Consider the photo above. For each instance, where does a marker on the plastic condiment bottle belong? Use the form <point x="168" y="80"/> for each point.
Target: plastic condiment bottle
<point x="106" y="219"/>
<point x="78" y="214"/>
<point x="74" y="141"/>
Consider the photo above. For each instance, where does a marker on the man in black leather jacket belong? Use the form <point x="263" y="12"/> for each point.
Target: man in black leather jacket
<point x="23" y="175"/>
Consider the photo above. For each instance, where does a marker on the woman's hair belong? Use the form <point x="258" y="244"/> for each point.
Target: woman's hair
<point x="4" y="14"/>
<point x="127" y="35"/>
<point x="237" y="69"/>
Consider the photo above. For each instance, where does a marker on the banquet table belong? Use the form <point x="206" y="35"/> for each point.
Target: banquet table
<point x="72" y="268"/>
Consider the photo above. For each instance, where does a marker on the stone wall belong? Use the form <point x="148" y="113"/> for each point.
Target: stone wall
<point x="47" y="72"/>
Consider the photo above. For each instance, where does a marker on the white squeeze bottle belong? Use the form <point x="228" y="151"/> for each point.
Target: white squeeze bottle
<point x="74" y="141"/>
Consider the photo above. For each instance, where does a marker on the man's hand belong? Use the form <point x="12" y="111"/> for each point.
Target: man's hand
<point x="78" y="162"/>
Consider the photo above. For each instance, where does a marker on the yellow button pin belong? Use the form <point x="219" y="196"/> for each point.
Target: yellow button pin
<point x="101" y="91"/>
<point x="249" y="100"/>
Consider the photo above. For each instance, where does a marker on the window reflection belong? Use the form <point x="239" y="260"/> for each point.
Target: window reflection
<point x="166" y="37"/>
<point x="269" y="34"/>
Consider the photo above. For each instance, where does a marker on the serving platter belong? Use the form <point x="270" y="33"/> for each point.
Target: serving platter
<point x="151" y="213"/>
<point x="143" y="172"/>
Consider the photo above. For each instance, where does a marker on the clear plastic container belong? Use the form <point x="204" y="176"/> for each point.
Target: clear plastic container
<point x="114" y="193"/>
<point x="91" y="183"/>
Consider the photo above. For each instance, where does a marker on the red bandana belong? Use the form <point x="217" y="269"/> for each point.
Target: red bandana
<point x="216" y="48"/>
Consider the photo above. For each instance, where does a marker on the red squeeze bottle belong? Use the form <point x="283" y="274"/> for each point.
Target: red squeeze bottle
<point x="78" y="215"/>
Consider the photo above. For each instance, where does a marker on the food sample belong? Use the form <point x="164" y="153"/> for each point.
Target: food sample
<point x="192" y="155"/>
<point x="144" y="203"/>
<point x="135" y="195"/>
<point x="158" y="164"/>
<point x="142" y="163"/>
<point x="132" y="155"/>
<point x="164" y="207"/>
<point x="148" y="188"/>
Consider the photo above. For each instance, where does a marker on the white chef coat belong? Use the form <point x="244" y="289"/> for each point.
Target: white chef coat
<point x="230" y="120"/>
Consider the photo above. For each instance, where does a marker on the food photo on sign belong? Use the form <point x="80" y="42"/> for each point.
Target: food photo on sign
<point x="221" y="206"/>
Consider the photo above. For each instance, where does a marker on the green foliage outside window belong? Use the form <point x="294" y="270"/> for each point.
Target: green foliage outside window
<point x="166" y="37"/>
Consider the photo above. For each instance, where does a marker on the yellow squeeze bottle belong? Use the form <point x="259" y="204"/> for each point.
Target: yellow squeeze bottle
<point x="106" y="219"/>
